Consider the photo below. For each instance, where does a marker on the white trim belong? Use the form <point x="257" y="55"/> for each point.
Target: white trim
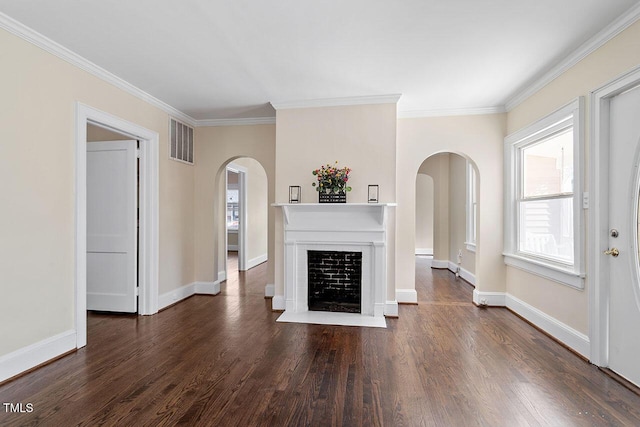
<point x="337" y="102"/>
<point x="465" y="274"/>
<point x="409" y="296"/>
<point x="471" y="247"/>
<point x="37" y="39"/>
<point x="149" y="217"/>
<point x="609" y="32"/>
<point x="570" y="115"/>
<point x="236" y="122"/>
<point x="598" y="278"/>
<point x="278" y="303"/>
<point x="184" y="292"/>
<point x="414" y="114"/>
<point x="253" y="262"/>
<point x="548" y="271"/>
<point x="36" y="354"/>
<point x="222" y="276"/>
<point x="424" y="251"/>
<point x="492" y="299"/>
<point x="573" y="339"/>
<point x="391" y="309"/>
<point x="437" y="263"/>
<point x="232" y="247"/>
<point x="269" y="290"/>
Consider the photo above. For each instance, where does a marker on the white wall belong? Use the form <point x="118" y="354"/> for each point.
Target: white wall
<point x="424" y="214"/>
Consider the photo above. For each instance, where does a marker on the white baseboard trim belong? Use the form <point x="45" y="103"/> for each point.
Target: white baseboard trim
<point x="465" y="274"/>
<point x="493" y="299"/>
<point x="36" y="354"/>
<point x="406" y="296"/>
<point x="269" y="291"/>
<point x="183" y="292"/>
<point x="277" y="302"/>
<point x="207" y="288"/>
<point x="424" y="251"/>
<point x="256" y="261"/>
<point x="573" y="339"/>
<point x="222" y="276"/>
<point x="391" y="309"/>
<point x="232" y="247"/>
<point x="438" y="263"/>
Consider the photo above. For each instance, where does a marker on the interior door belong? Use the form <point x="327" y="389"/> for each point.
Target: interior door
<point x="624" y="298"/>
<point x="112" y="226"/>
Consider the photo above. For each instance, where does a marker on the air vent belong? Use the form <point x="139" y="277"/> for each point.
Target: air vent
<point x="181" y="142"/>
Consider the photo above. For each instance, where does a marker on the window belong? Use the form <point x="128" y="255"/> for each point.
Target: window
<point x="180" y="142"/>
<point x="472" y="208"/>
<point x="543" y="217"/>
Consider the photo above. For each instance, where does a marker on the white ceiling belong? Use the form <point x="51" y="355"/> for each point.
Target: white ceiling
<point x="214" y="59"/>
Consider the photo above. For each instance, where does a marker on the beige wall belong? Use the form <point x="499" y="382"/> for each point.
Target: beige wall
<point x="478" y="138"/>
<point x="361" y="137"/>
<point x="257" y="208"/>
<point x="458" y="214"/>
<point x="37" y="248"/>
<point x="215" y="148"/>
<point x="424" y="213"/>
<point x="437" y="167"/>
<point x="96" y="133"/>
<point x="616" y="57"/>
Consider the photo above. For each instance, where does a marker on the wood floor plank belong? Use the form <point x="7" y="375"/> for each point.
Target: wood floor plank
<point x="224" y="361"/>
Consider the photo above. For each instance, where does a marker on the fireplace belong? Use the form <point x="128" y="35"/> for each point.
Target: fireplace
<point x="334" y="281"/>
<point x="350" y="233"/>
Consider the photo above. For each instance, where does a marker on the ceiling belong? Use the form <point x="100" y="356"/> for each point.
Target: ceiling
<point x="214" y="59"/>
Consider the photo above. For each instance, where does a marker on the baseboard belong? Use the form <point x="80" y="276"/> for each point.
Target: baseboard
<point x="256" y="261"/>
<point x="406" y="296"/>
<point x="573" y="339"/>
<point x="437" y="263"/>
<point x="233" y="248"/>
<point x="424" y="251"/>
<point x="207" y="288"/>
<point x="493" y="299"/>
<point x="269" y="291"/>
<point x="184" y="292"/>
<point x="222" y="276"/>
<point x="391" y="309"/>
<point x="29" y="357"/>
<point x="465" y="274"/>
<point x="278" y="303"/>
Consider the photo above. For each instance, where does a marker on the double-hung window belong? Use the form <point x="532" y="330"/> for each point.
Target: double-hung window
<point x="543" y="209"/>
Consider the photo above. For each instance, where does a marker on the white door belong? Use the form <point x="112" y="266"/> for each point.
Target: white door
<point x="112" y="226"/>
<point x="624" y="283"/>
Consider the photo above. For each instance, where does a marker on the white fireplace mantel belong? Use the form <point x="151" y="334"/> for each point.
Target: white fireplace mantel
<point x="355" y="227"/>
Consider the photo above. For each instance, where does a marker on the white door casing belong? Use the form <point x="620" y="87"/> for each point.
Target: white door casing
<point x="624" y="292"/>
<point x="601" y="180"/>
<point x="148" y="243"/>
<point x="112" y="226"/>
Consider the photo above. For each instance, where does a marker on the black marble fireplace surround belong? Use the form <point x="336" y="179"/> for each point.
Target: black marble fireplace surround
<point x="334" y="281"/>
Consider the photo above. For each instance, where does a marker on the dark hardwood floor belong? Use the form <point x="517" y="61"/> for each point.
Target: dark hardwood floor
<point x="224" y="361"/>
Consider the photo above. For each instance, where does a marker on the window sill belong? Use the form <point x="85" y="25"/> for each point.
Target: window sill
<point x="471" y="247"/>
<point x="552" y="272"/>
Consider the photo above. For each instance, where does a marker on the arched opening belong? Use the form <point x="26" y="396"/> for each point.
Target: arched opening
<point x="241" y="217"/>
<point x="447" y="214"/>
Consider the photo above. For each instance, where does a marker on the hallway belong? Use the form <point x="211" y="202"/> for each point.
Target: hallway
<point x="223" y="360"/>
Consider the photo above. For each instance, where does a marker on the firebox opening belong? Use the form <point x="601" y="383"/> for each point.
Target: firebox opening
<point x="334" y="281"/>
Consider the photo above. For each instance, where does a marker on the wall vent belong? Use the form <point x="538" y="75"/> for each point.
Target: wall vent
<point x="180" y="142"/>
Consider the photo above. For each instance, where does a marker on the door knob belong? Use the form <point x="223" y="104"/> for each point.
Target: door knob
<point x="614" y="252"/>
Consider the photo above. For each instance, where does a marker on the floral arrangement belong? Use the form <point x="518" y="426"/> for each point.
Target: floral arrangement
<point x="331" y="179"/>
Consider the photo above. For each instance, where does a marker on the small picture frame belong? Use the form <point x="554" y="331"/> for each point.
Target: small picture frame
<point x="373" y="194"/>
<point x="294" y="194"/>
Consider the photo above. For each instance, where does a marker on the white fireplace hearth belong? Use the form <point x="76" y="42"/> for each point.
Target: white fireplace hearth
<point x="346" y="227"/>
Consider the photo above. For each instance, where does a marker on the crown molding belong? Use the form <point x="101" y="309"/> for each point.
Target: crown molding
<point x="19" y="29"/>
<point x="451" y="112"/>
<point x="594" y="43"/>
<point x="338" y="102"/>
<point x="237" y="122"/>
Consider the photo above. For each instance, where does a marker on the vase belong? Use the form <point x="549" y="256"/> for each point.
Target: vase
<point x="340" y="197"/>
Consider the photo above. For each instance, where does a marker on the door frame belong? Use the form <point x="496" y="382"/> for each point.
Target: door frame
<point x="242" y="213"/>
<point x="148" y="204"/>
<point x="598" y="276"/>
